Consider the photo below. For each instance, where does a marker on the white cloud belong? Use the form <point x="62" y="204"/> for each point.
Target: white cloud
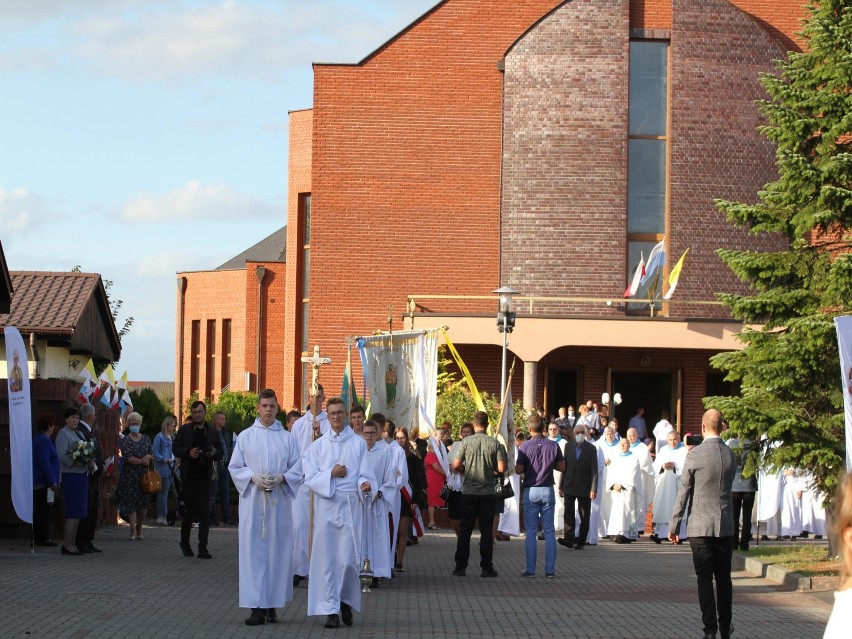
<point x="167" y="42"/>
<point x="21" y="211"/>
<point x="198" y="201"/>
<point x="166" y="264"/>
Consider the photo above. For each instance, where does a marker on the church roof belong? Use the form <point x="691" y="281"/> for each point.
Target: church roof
<point x="272" y="248"/>
<point x="69" y="309"/>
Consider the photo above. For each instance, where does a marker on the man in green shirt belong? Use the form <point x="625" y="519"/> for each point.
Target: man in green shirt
<point x="478" y="458"/>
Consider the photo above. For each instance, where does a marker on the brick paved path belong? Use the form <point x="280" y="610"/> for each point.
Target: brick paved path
<point x="146" y="589"/>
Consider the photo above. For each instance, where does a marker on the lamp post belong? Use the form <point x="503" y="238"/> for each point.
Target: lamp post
<point x="505" y="324"/>
<point x="610" y="403"/>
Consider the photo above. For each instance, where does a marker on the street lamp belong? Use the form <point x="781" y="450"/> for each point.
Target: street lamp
<point x="610" y="404"/>
<point x="505" y="324"/>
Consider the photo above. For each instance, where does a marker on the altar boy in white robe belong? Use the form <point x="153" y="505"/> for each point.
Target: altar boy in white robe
<point x="375" y="543"/>
<point x="668" y="467"/>
<point x="338" y="473"/>
<point x="266" y="469"/>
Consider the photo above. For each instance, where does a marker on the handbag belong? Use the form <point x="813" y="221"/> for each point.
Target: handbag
<point x="151" y="481"/>
<point x="504" y="491"/>
<point x="446" y="492"/>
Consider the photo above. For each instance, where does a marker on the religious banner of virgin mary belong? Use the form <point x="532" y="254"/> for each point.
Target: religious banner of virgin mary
<point x="20" y="424"/>
<point x="402" y="371"/>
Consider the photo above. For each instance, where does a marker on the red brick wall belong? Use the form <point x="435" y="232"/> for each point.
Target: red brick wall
<point x="716" y="151"/>
<point x="212" y="295"/>
<point x="270" y="371"/>
<point x="299" y="181"/>
<point x="565" y="155"/>
<point x="406" y="169"/>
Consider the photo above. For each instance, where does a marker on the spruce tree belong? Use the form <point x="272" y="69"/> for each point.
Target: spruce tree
<point x="789" y="371"/>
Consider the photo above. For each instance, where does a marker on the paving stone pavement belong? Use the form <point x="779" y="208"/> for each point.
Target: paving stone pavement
<point x="147" y="589"/>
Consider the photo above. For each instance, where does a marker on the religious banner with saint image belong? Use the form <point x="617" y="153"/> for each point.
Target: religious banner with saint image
<point x="20" y="424"/>
<point x="402" y="375"/>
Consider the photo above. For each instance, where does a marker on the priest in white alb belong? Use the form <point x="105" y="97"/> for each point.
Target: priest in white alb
<point x="624" y="484"/>
<point x="646" y="465"/>
<point x="306" y="429"/>
<point x="608" y="447"/>
<point x="266" y="470"/>
<point x="668" y="467"/>
<point x="376" y="541"/>
<point x="340" y="478"/>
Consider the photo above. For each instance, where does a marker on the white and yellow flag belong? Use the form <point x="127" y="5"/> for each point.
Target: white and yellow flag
<point x="20" y="424"/>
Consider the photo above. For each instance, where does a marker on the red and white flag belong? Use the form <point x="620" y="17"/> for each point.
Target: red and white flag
<point x="630" y="291"/>
<point x="417" y="521"/>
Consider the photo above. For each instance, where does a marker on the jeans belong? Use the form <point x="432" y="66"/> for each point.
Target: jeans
<point x="711" y="557"/>
<point x="539" y="501"/>
<point x="473" y="507"/>
<point x="163" y="496"/>
<point x="220" y="490"/>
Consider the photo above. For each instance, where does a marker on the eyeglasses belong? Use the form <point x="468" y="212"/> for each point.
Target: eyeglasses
<point x="337" y="413"/>
<point x="368" y="433"/>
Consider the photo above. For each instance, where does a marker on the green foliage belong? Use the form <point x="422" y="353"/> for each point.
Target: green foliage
<point x="240" y="409"/>
<point x="153" y="411"/>
<point x="456" y="406"/>
<point x="788" y="370"/>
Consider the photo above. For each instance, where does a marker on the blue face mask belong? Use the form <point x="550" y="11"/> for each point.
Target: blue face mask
<point x="580" y="438"/>
<point x="135" y="429"/>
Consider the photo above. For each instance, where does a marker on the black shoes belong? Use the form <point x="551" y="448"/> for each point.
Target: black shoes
<point x="621" y="539"/>
<point x="564" y="542"/>
<point x="91" y="547"/>
<point x="186" y="549"/>
<point x="488" y="572"/>
<point x="346" y="613"/>
<point x="271" y="615"/>
<point x="399" y="568"/>
<point x="579" y="546"/>
<point x="297" y="579"/>
<point x="375" y="583"/>
<point x="203" y="554"/>
<point x="47" y="544"/>
<point x="656" y="539"/>
<point x="65" y="551"/>
<point x="458" y="572"/>
<point x="256" y="618"/>
<point x="333" y="621"/>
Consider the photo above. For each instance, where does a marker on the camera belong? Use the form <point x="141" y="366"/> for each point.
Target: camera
<point x="694" y="440"/>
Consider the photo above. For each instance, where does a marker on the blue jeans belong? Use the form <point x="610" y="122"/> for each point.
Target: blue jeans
<point x="163" y="495"/>
<point x="539" y="501"/>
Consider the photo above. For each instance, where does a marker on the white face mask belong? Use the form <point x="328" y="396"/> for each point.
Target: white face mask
<point x="580" y="437"/>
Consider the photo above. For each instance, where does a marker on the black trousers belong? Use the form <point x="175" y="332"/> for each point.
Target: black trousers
<point x="473" y="507"/>
<point x="743" y="502"/>
<point x="196" y="495"/>
<point x="87" y="527"/>
<point x="711" y="557"/>
<point x="41" y="515"/>
<point x="584" y="505"/>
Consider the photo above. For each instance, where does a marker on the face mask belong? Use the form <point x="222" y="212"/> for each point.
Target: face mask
<point x="135" y="429"/>
<point x="580" y="438"/>
<point x="570" y="413"/>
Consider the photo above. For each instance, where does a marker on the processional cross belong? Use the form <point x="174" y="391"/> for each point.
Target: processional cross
<point x="315" y="361"/>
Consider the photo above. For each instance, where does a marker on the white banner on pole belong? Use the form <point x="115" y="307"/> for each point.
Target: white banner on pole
<point x="20" y="424"/>
<point x="843" y="324"/>
<point x="402" y="376"/>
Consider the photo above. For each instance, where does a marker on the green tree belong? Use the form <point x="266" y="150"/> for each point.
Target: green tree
<point x="240" y="409"/>
<point x="789" y="368"/>
<point x="148" y="404"/>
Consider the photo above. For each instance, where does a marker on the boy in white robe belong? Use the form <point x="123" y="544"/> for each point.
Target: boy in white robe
<point x="339" y="475"/>
<point x="668" y="467"/>
<point x="375" y="543"/>
<point x="305" y="430"/>
<point x="646" y="466"/>
<point x="624" y="483"/>
<point x="266" y="469"/>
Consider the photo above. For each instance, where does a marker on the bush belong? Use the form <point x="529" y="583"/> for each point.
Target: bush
<point x="148" y="404"/>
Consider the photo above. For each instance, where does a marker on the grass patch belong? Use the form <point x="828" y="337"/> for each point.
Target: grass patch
<point x="810" y="560"/>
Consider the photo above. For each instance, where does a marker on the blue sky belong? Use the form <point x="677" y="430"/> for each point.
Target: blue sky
<point x="134" y="132"/>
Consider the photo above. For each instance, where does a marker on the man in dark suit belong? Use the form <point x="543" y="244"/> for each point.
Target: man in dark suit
<point x="86" y="530"/>
<point x="580" y="483"/>
<point x="197" y="445"/>
<point x="706" y="484"/>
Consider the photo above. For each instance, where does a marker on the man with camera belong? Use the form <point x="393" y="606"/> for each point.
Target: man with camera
<point x="197" y="445"/>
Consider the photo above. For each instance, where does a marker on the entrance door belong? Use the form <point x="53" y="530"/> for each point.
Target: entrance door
<point x="654" y="391"/>
<point x="561" y="389"/>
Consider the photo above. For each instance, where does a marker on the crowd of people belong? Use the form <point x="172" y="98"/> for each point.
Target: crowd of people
<point x="335" y="498"/>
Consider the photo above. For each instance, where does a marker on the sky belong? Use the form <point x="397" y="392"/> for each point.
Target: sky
<point x="141" y="138"/>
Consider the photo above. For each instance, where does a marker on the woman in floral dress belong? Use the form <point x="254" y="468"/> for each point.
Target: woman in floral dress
<point x="137" y="455"/>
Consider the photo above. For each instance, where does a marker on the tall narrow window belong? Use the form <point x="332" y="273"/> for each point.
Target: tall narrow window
<point x="226" y="355"/>
<point x="647" y="179"/>
<point x="305" y="215"/>
<point x="210" y="369"/>
<point x="195" y="357"/>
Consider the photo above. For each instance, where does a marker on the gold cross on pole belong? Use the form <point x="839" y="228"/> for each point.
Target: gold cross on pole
<point x="315" y="361"/>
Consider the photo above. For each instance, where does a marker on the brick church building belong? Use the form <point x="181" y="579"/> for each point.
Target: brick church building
<point x="540" y="145"/>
